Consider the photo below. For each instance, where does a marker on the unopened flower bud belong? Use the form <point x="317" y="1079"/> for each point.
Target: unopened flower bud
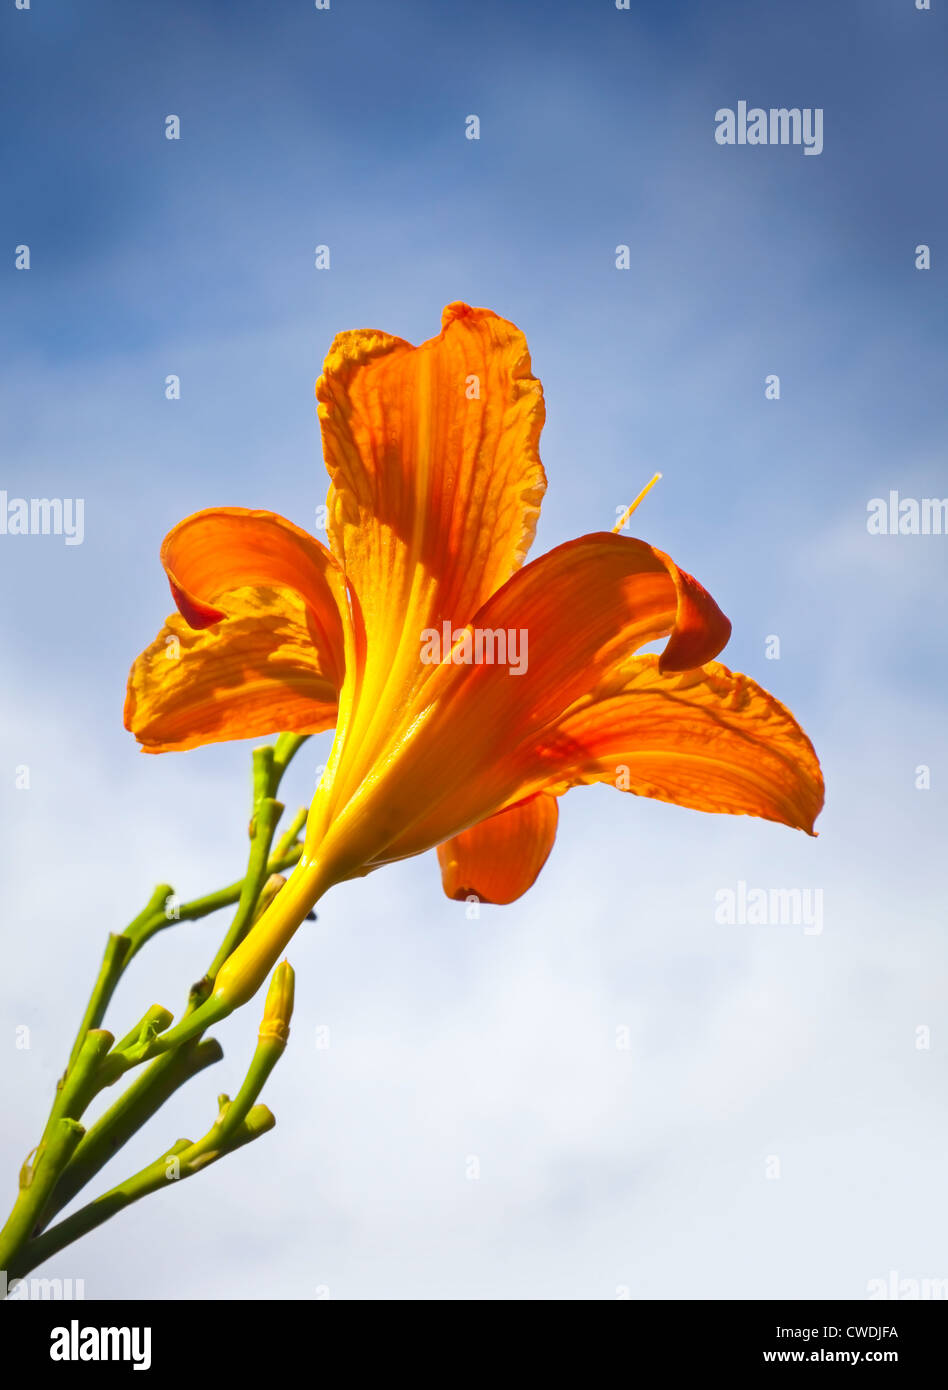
<point x="278" y="1009"/>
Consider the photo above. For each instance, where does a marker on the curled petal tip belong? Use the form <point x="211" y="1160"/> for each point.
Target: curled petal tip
<point x="196" y="614"/>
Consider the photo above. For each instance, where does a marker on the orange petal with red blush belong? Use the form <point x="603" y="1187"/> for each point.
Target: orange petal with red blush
<point x="259" y="646"/>
<point x="253" y="674"/>
<point x="498" y="859"/>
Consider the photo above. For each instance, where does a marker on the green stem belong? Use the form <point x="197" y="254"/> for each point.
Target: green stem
<point x="143" y="1099"/>
<point x="110" y="972"/>
<point x="269" y="765"/>
<point x="266" y="816"/>
<point x="41" y="1172"/>
<point x="122" y="947"/>
<point x="287" y="746"/>
<point x="81" y="1083"/>
<point x="287" y="842"/>
<point x="36" y="1184"/>
<point x="285" y="855"/>
<point x="155" y="1021"/>
<point x="89" y="1070"/>
<point x="119" y="950"/>
<point x="190" y="1159"/>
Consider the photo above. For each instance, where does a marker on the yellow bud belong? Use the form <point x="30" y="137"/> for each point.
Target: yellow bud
<point x="278" y="1009"/>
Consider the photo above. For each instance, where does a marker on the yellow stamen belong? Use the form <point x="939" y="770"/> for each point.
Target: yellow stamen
<point x="632" y="506"/>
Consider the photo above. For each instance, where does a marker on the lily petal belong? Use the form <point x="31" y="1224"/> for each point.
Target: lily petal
<point x="260" y="643"/>
<point x="479" y="738"/>
<point x="436" y="490"/>
<point x="498" y="859"/>
<point x="710" y="739"/>
<point x="254" y="674"/>
<point x="212" y="552"/>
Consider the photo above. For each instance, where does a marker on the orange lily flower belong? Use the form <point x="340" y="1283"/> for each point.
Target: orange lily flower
<point x="436" y="484"/>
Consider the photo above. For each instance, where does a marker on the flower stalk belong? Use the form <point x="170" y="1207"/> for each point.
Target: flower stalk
<point x="68" y="1155"/>
<point x="239" y="1122"/>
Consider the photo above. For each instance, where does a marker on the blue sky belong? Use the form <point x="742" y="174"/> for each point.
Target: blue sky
<point x="601" y="1169"/>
